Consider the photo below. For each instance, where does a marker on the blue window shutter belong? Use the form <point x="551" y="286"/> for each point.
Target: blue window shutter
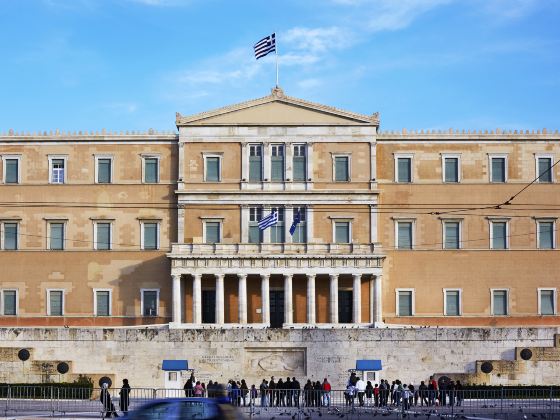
<point x="547" y="302"/>
<point x="545" y="175"/>
<point x="56" y="302"/>
<point x="341" y="168"/>
<point x="451" y="170"/>
<point x="104" y="171"/>
<point x="103" y="236"/>
<point x="11" y="171"/>
<point x="150" y="235"/>
<point x="299" y="168"/>
<point x="404" y="231"/>
<point x="103" y="303"/>
<point x="57" y="236"/>
<point x="452" y="302"/>
<point x="500" y="302"/>
<point x="212" y="232"/>
<point x="10" y="302"/>
<point x="499" y="239"/>
<point x="405" y="303"/>
<point x="150" y="170"/>
<point x="498" y="170"/>
<point x="451" y="235"/>
<point x="404" y="170"/>
<point x="10" y="236"/>
<point x="546" y="235"/>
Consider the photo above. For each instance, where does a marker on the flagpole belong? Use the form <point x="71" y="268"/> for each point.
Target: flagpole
<point x="276" y="51"/>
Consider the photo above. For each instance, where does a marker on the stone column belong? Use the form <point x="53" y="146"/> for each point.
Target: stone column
<point x="197" y="299"/>
<point x="311" y="299"/>
<point x="219" y="298"/>
<point x="265" y="298"/>
<point x="357" y="298"/>
<point x="378" y="299"/>
<point x="242" y="298"/>
<point x="177" y="316"/>
<point x="288" y="304"/>
<point x="333" y="298"/>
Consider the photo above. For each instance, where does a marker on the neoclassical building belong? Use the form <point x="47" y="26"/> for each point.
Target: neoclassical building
<point x="448" y="228"/>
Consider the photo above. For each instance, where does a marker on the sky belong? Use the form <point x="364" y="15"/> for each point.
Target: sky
<point x="422" y="64"/>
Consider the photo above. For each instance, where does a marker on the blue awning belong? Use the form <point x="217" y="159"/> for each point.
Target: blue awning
<point x="368" y="364"/>
<point x="175" y="365"/>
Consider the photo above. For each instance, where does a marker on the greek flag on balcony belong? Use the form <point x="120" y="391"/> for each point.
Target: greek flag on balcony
<point x="269" y="220"/>
<point x="297" y="219"/>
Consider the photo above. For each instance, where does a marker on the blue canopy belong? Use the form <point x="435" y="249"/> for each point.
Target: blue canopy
<point x="368" y="365"/>
<point x="175" y="365"/>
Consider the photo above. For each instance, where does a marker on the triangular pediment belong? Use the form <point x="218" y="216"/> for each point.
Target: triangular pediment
<point x="277" y="109"/>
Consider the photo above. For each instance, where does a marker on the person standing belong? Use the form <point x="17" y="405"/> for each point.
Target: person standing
<point x="124" y="396"/>
<point x="326" y="387"/>
<point x="459" y="390"/>
<point x="423" y="393"/>
<point x="244" y="391"/>
<point x="108" y="406"/>
<point x="361" y="390"/>
<point x="189" y="385"/>
<point x="296" y="387"/>
<point x="264" y="391"/>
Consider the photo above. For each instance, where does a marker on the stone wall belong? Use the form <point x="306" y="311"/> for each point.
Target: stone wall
<point x="253" y="354"/>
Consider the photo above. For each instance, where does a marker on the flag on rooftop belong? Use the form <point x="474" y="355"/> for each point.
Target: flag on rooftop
<point x="265" y="46"/>
<point x="269" y="220"/>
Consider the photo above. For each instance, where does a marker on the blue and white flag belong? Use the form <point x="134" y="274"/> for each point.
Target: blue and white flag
<point x="265" y="46"/>
<point x="269" y="220"/>
<point x="297" y="219"/>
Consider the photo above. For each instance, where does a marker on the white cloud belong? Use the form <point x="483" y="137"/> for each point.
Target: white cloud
<point x="390" y="15"/>
<point x="318" y="40"/>
<point x="121" y="107"/>
<point x="310" y="83"/>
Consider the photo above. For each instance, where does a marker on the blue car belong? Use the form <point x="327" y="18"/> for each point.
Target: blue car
<point x="185" y="408"/>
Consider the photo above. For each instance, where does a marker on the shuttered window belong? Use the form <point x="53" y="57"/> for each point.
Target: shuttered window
<point x="55" y="302"/>
<point x="212" y="168"/>
<point x="451" y="169"/>
<point x="299" y="162"/>
<point x="150" y="299"/>
<point x="499" y="235"/>
<point x="150" y="235"/>
<point x="212" y="232"/>
<point x="404" y="235"/>
<point x="452" y="303"/>
<point x="10" y="304"/>
<point x="10" y="236"/>
<point x="404" y="303"/>
<point x="545" y="173"/>
<point x="500" y="299"/>
<point x="547" y="302"/>
<point x="103" y="303"/>
<point x="255" y="234"/>
<point x="300" y="232"/>
<point x="546" y="235"/>
<point x="341" y="169"/>
<point x="104" y="171"/>
<point x="342" y="232"/>
<point x="277" y="162"/>
<point x="404" y="169"/>
<point x="12" y="171"/>
<point x="103" y="239"/>
<point x="151" y="170"/>
<point x="498" y="169"/>
<point x="451" y="235"/>
<point x="277" y="230"/>
<point x="56" y="236"/>
<point x="255" y="163"/>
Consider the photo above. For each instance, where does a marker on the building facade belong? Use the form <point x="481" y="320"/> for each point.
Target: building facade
<point x="408" y="228"/>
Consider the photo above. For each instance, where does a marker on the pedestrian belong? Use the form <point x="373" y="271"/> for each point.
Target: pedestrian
<point x="405" y="394"/>
<point x="451" y="393"/>
<point x="189" y="385"/>
<point x="308" y="391"/>
<point x="108" y="406"/>
<point x="423" y="393"/>
<point x="198" y="390"/>
<point x="244" y="391"/>
<point x="361" y="390"/>
<point x="459" y="390"/>
<point x="288" y="388"/>
<point x="326" y="387"/>
<point x="124" y="396"/>
<point x="376" y="395"/>
<point x="271" y="392"/>
<point x="264" y="391"/>
<point x="280" y="393"/>
<point x="369" y="391"/>
<point x="296" y="388"/>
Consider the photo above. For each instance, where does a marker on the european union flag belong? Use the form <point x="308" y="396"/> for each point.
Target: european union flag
<point x="297" y="219"/>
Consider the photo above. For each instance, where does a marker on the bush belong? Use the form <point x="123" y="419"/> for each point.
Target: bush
<point x="79" y="389"/>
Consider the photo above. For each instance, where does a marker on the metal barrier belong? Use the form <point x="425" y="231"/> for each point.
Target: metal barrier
<point x="495" y="403"/>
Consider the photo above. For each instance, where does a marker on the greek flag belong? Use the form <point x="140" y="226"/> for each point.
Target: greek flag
<point x="265" y="46"/>
<point x="297" y="219"/>
<point x="269" y="220"/>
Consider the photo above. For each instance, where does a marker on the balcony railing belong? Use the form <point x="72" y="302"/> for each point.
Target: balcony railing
<point x="265" y="249"/>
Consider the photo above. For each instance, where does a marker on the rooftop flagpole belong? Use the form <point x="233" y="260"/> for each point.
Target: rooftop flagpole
<point x="276" y="50"/>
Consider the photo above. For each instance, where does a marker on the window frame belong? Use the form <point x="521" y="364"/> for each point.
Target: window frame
<point x="205" y="156"/>
<point x="144" y="158"/>
<point x="537" y="175"/>
<point x="3" y="234"/>
<point x="460" y="295"/>
<point x="96" y="169"/>
<point x="261" y="146"/>
<point x="3" y="300"/>
<point x="49" y="301"/>
<point x="554" y="300"/>
<point x="342" y="219"/>
<point x="539" y="220"/>
<point x="296" y="146"/>
<point x="65" y="172"/>
<point x="142" y="233"/>
<point x="444" y="157"/>
<point x="302" y="225"/>
<point x="396" y="158"/>
<point x="220" y="221"/>
<point x="254" y="223"/>
<point x="413" y="233"/>
<point x="412" y="298"/>
<point x="11" y="157"/>
<point x="282" y="147"/>
<point x="95" y="223"/>
<point x="443" y="235"/>
<point x="506" y="167"/>
<point x="142" y="303"/>
<point x="57" y="221"/>
<point x="348" y="156"/>
<point x="95" y="290"/>
<point x="492" y="309"/>
<point x="499" y="220"/>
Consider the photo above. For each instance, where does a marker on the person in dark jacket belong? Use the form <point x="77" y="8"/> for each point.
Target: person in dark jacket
<point x="189" y="385"/>
<point x="124" y="396"/>
<point x="296" y="387"/>
<point x="108" y="406"/>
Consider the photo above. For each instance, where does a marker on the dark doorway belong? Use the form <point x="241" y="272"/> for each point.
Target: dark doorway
<point x="345" y="306"/>
<point x="208" y="306"/>
<point x="276" y="308"/>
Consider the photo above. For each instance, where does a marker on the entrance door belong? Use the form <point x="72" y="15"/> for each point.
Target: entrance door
<point x="345" y="306"/>
<point x="276" y="308"/>
<point x="173" y="387"/>
<point x="208" y="306"/>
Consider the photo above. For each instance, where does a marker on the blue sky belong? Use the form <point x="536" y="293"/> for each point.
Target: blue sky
<point x="423" y="64"/>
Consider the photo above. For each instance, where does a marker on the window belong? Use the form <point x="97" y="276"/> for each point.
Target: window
<point x="405" y="302"/>
<point x="55" y="302"/>
<point x="277" y="230"/>
<point x="277" y="163"/>
<point x="255" y="163"/>
<point x="102" y="302"/>
<point x="545" y="234"/>
<point x="547" y="301"/>
<point x="150" y="235"/>
<point x="11" y="169"/>
<point x="341" y="168"/>
<point x="500" y="302"/>
<point x="403" y="234"/>
<point x="451" y="169"/>
<point x="212" y="168"/>
<point x="212" y="232"/>
<point x="452" y="302"/>
<point x="8" y="302"/>
<point x="57" y="169"/>
<point x="56" y="236"/>
<point x="451" y="235"/>
<point x="403" y="168"/>
<point x="498" y="169"/>
<point x="104" y="170"/>
<point x="102" y="234"/>
<point x="498" y="235"/>
<point x="151" y="169"/>
<point x="300" y="232"/>
<point x="299" y="162"/>
<point x="150" y="302"/>
<point x="342" y="234"/>
<point x="9" y="236"/>
<point x="544" y="169"/>
<point x="255" y="234"/>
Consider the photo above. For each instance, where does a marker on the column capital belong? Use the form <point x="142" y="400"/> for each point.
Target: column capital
<point x="219" y="275"/>
<point x="356" y="275"/>
<point x="242" y="275"/>
<point x="311" y="276"/>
